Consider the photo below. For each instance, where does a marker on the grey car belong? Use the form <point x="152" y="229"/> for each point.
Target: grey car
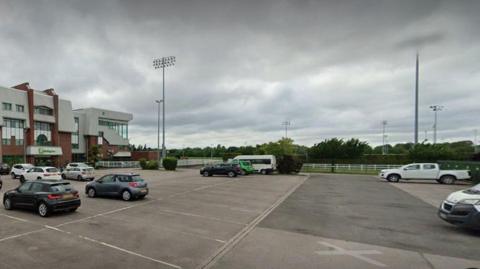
<point x="128" y="186"/>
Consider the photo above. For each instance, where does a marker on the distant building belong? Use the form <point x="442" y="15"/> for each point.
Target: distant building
<point x="40" y="128"/>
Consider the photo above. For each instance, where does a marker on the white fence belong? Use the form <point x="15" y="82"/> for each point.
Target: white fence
<point x="135" y="164"/>
<point x="357" y="168"/>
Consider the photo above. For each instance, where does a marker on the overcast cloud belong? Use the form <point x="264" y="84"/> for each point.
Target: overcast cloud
<point x="333" y="68"/>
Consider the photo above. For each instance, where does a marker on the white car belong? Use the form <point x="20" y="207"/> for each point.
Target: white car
<point x="41" y="173"/>
<point x="79" y="173"/>
<point x="19" y="169"/>
<point x="72" y="165"/>
<point x="424" y="171"/>
<point x="462" y="208"/>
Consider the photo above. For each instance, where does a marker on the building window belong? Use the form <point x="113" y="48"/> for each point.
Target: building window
<point x="100" y="138"/>
<point x="20" y="108"/>
<point x="15" y="128"/>
<point x="43" y="110"/>
<point x="121" y="128"/>
<point x="7" y="106"/>
<point x="43" y="133"/>
<point x="75" y="134"/>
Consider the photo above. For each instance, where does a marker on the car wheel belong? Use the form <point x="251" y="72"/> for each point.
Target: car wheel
<point x="126" y="195"/>
<point x="39" y="178"/>
<point x="393" y="178"/>
<point x="79" y="178"/>
<point x="91" y="193"/>
<point x="206" y="174"/>
<point x="231" y="174"/>
<point x="43" y="210"/>
<point x="13" y="175"/>
<point x="64" y="176"/>
<point x="448" y="179"/>
<point x="242" y="172"/>
<point x="7" y="204"/>
<point x="22" y="179"/>
<point x="72" y="209"/>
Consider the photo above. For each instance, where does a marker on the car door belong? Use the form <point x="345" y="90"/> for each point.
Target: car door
<point x="120" y="182"/>
<point x="412" y="171"/>
<point x="20" y="198"/>
<point x="429" y="171"/>
<point x="30" y="174"/>
<point x="105" y="185"/>
<point x="31" y="197"/>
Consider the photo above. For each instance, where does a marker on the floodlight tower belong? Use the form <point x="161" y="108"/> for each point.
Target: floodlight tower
<point x="384" y="148"/>
<point x="435" y="109"/>
<point x="286" y="124"/>
<point x="162" y="63"/>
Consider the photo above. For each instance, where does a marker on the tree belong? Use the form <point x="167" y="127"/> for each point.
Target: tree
<point x="336" y="148"/>
<point x="94" y="153"/>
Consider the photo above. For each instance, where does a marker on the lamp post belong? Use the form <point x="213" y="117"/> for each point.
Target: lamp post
<point x="162" y="63"/>
<point x="158" y="130"/>
<point x="286" y="124"/>
<point x="384" y="148"/>
<point x="435" y="109"/>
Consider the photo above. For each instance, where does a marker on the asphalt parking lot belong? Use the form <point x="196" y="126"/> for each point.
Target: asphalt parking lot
<point x="189" y="221"/>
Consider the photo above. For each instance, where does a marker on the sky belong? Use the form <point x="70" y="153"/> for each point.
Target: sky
<point x="332" y="68"/>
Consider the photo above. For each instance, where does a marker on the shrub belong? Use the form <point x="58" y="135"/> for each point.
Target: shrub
<point x="170" y="163"/>
<point x="152" y="165"/>
<point x="143" y="163"/>
<point x="287" y="164"/>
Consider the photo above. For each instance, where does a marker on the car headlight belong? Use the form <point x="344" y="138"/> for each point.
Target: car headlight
<point x="470" y="201"/>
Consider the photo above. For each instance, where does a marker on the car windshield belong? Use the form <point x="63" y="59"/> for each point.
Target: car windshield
<point x="52" y="170"/>
<point x="60" y="187"/>
<point x="475" y="188"/>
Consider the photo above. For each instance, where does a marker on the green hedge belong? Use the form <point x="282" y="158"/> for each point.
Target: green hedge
<point x="288" y="164"/>
<point x="170" y="163"/>
<point x="474" y="168"/>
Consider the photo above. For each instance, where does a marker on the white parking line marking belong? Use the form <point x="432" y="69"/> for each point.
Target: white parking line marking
<point x="129" y="252"/>
<point x="354" y="253"/>
<point x="166" y="211"/>
<point x="15" y="218"/>
<point x="20" y="235"/>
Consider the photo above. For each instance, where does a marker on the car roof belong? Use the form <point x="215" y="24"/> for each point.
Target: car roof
<point x="50" y="182"/>
<point x="124" y="174"/>
<point x="44" y="167"/>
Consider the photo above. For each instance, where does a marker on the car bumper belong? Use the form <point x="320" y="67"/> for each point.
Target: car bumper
<point x="65" y="205"/>
<point x="462" y="215"/>
<point x="137" y="192"/>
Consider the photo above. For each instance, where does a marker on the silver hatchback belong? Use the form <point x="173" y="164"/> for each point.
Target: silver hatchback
<point x="127" y="186"/>
<point x="79" y="173"/>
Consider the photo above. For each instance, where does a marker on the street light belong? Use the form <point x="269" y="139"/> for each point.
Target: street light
<point x="158" y="130"/>
<point x="384" y="148"/>
<point x="286" y="124"/>
<point x="162" y="63"/>
<point x="435" y="109"/>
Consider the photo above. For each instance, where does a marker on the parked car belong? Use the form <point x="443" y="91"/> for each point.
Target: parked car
<point x="1" y="183"/>
<point x="41" y="173"/>
<point x="462" y="208"/>
<point x="265" y="164"/>
<point x="4" y="169"/>
<point x="127" y="186"/>
<point x="245" y="166"/>
<point x="19" y="169"/>
<point x="72" y="165"/>
<point x="424" y="171"/>
<point x="45" y="197"/>
<point x="229" y="169"/>
<point x="79" y="173"/>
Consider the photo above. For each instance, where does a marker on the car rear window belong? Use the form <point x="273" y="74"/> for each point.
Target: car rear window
<point x="61" y="187"/>
<point x="137" y="179"/>
<point x="52" y="170"/>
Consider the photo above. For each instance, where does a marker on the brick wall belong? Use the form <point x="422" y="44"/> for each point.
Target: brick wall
<point x="65" y="140"/>
<point x="148" y="155"/>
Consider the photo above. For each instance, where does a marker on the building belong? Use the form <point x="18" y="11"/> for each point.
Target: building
<point x="40" y="128"/>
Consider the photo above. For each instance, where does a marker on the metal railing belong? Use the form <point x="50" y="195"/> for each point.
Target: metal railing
<point x="347" y="168"/>
<point x="136" y="164"/>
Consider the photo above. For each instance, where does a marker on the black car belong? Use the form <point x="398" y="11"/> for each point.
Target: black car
<point x="229" y="169"/>
<point x="4" y="169"/>
<point x="45" y="197"/>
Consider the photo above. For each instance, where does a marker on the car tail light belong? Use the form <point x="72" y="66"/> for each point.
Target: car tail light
<point x="133" y="184"/>
<point x="76" y="195"/>
<point x="83" y="173"/>
<point x="54" y="196"/>
<point x="46" y="175"/>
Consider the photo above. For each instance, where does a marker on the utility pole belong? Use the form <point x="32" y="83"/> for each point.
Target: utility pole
<point x="158" y="131"/>
<point x="162" y="63"/>
<point x="435" y="109"/>
<point x="426" y="136"/>
<point x="286" y="124"/>
<point x="416" y="102"/>
<point x="384" y="148"/>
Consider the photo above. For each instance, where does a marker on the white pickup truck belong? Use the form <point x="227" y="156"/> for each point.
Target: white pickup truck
<point x="424" y="171"/>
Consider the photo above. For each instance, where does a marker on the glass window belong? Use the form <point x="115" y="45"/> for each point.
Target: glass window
<point x="413" y="167"/>
<point x="25" y="187"/>
<point x="43" y="110"/>
<point x="428" y="166"/>
<point x="75" y="136"/>
<point x="62" y="187"/>
<point x="20" y="108"/>
<point x="43" y="133"/>
<point x="7" y="106"/>
<point x="120" y="128"/>
<point x="37" y="187"/>
<point x="107" y="179"/>
<point x="13" y="128"/>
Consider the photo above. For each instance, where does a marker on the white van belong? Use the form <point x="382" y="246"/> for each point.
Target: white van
<point x="264" y="164"/>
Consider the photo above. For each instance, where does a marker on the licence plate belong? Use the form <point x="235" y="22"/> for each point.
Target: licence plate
<point x="143" y="191"/>
<point x="443" y="215"/>
<point x="68" y="196"/>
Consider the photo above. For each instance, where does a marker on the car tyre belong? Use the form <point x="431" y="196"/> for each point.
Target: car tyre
<point x="231" y="174"/>
<point x="448" y="179"/>
<point x="393" y="178"/>
<point x="39" y="178"/>
<point x="22" y="179"/>
<point x="91" y="193"/>
<point x="126" y="195"/>
<point x="79" y="178"/>
<point x="64" y="176"/>
<point x="206" y="174"/>
<point x="8" y="204"/>
<point x="42" y="210"/>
